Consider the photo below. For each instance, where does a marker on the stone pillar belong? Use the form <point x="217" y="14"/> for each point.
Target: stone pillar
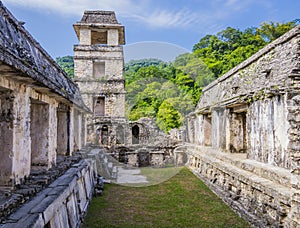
<point x="15" y="135"/>
<point x="113" y="37"/>
<point x="218" y="128"/>
<point x="79" y="132"/>
<point x="22" y="139"/>
<point x="85" y="37"/>
<point x="84" y="130"/>
<point x="197" y="129"/>
<point x="78" y="129"/>
<point x="52" y="134"/>
<point x="71" y="130"/>
<point x="62" y="131"/>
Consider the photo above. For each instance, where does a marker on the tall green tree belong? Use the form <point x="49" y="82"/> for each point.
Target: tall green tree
<point x="168" y="117"/>
<point x="273" y="30"/>
<point x="231" y="46"/>
<point x="67" y="64"/>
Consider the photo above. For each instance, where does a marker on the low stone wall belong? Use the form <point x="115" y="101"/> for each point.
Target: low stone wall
<point x="261" y="194"/>
<point x="144" y="155"/>
<point x="62" y="204"/>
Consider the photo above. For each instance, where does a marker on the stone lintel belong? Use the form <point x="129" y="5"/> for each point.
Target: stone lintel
<point x="96" y="48"/>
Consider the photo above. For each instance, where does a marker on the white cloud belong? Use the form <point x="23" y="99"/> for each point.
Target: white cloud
<point x="170" y="19"/>
<point x="75" y="7"/>
<point x="142" y="11"/>
<point x="149" y="12"/>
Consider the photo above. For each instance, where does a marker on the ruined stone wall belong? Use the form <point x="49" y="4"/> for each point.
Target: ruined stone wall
<point x="256" y="93"/>
<point x="62" y="204"/>
<point x="19" y="50"/>
<point x="144" y="144"/>
<point x="110" y="85"/>
<point x="29" y="119"/>
<point x="248" y="136"/>
<point x="32" y="86"/>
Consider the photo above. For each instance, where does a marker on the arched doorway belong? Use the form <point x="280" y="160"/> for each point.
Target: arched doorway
<point x="135" y="134"/>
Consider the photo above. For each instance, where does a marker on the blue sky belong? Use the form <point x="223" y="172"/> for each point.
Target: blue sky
<point x="180" y="23"/>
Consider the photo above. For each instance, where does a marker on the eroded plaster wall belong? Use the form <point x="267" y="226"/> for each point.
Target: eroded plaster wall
<point x="262" y="86"/>
<point x="268" y="131"/>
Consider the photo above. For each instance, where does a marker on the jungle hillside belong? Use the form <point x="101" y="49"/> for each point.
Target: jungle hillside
<point x="167" y="91"/>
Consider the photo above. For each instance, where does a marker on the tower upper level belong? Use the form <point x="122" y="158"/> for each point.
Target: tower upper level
<point x="99" y="28"/>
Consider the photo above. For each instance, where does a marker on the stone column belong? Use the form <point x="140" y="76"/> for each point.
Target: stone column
<point x="71" y="130"/>
<point x="52" y="134"/>
<point x="21" y="158"/>
<point x="294" y="148"/>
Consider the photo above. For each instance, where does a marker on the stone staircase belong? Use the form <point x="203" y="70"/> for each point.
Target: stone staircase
<point x="107" y="165"/>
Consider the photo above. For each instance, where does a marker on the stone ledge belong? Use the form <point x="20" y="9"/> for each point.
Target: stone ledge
<point x="51" y="205"/>
<point x="277" y="174"/>
<point x="262" y="201"/>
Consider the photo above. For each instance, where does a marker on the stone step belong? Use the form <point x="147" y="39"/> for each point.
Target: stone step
<point x="277" y="174"/>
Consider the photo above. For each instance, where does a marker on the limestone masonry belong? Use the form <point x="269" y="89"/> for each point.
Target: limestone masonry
<point x="98" y="71"/>
<point x="243" y="139"/>
<point x="244" y="135"/>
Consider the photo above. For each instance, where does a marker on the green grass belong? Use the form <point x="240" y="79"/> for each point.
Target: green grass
<point x="182" y="201"/>
<point x="155" y="175"/>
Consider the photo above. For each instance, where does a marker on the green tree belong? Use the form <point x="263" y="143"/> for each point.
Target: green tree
<point x="67" y="64"/>
<point x="168" y="91"/>
<point x="231" y="46"/>
<point x="168" y="117"/>
<point x="272" y="30"/>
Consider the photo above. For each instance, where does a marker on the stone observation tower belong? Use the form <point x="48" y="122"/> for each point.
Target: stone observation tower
<point x="98" y="71"/>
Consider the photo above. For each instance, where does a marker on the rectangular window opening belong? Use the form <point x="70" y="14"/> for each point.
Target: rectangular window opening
<point x="99" y="69"/>
<point x="99" y="106"/>
<point x="98" y="37"/>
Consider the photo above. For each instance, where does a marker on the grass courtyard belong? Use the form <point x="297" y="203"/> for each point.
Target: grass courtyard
<point x="181" y="201"/>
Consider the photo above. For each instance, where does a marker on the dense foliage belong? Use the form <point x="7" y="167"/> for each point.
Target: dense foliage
<point x="168" y="91"/>
<point x="231" y="46"/>
<point x="165" y="91"/>
<point x="67" y="64"/>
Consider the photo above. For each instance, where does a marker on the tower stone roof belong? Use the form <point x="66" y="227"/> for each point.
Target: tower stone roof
<point x="95" y="19"/>
<point x="99" y="17"/>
